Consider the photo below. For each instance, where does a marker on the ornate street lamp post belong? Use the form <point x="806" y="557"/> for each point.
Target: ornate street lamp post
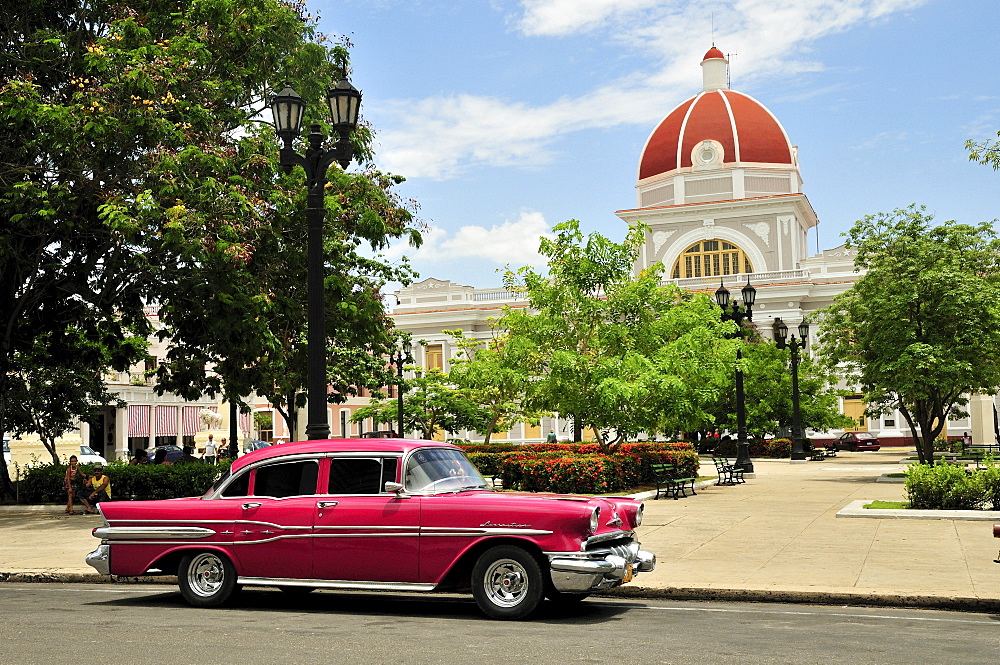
<point x="399" y="358"/>
<point x="344" y="101"/>
<point x="737" y="314"/>
<point x="781" y="337"/>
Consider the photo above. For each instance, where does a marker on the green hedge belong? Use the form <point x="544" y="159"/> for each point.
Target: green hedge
<point x="769" y="449"/>
<point x="949" y="487"/>
<point x="44" y="483"/>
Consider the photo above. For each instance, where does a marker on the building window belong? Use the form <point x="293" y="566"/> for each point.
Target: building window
<point x="711" y="258"/>
<point x="434" y="357"/>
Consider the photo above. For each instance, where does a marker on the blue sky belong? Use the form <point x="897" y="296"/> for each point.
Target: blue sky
<point x="509" y="116"/>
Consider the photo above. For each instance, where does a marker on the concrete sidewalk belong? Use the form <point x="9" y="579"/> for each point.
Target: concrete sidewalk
<point x="774" y="538"/>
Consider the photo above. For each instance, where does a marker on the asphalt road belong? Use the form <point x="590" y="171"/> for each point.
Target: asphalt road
<point x="53" y="624"/>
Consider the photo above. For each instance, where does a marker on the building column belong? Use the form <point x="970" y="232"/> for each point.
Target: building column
<point x="981" y="415"/>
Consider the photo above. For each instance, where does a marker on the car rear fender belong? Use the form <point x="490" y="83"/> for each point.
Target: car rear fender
<point x="164" y="561"/>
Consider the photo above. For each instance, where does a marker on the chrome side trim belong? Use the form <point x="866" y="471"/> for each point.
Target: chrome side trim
<point x="336" y="584"/>
<point x="152" y="532"/>
<point x="487" y="532"/>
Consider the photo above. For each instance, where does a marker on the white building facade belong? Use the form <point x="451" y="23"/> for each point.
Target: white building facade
<point x="720" y="189"/>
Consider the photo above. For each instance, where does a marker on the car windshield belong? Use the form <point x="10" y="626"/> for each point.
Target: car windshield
<point x="87" y="450"/>
<point x="441" y="470"/>
<point x="218" y="483"/>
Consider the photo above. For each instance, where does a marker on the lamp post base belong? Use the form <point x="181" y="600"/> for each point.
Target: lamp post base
<point x="743" y="457"/>
<point x="315" y="431"/>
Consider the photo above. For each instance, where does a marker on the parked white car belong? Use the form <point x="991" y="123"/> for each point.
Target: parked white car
<point x="87" y="456"/>
<point x="6" y="452"/>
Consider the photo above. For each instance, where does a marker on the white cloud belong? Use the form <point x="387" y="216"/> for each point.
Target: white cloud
<point x="562" y="17"/>
<point x="439" y="137"/>
<point x="513" y="242"/>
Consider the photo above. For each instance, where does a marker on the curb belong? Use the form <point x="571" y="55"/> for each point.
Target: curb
<point x="857" y="509"/>
<point x="961" y="603"/>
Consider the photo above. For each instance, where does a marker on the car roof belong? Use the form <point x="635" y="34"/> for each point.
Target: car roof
<point x="338" y="446"/>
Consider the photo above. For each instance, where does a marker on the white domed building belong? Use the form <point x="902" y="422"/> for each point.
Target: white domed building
<point x="720" y="189"/>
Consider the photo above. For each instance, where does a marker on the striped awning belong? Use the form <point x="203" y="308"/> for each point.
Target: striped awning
<point x="166" y="421"/>
<point x="245" y="423"/>
<point x="138" y="419"/>
<point x="189" y="420"/>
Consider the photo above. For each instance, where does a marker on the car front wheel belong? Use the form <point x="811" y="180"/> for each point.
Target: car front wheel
<point x="206" y="579"/>
<point x="507" y="582"/>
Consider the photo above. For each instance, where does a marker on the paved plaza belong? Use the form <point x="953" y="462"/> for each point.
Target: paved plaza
<point x="776" y="537"/>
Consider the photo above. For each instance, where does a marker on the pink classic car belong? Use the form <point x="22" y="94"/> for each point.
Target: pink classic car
<point x="380" y="514"/>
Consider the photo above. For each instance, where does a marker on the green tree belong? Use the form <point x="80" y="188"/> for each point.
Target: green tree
<point x="920" y="330"/>
<point x="768" y="392"/>
<point x="614" y="350"/>
<point x="431" y="404"/>
<point x="985" y="152"/>
<point x="493" y="378"/>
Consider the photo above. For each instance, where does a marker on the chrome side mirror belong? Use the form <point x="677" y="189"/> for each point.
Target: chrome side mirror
<point x="395" y="488"/>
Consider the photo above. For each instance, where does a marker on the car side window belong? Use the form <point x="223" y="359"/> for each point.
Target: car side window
<point x="351" y="475"/>
<point x="286" y="479"/>
<point x="238" y="487"/>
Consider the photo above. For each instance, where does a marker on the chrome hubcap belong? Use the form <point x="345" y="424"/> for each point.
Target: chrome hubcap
<point x="506" y="583"/>
<point x="206" y="575"/>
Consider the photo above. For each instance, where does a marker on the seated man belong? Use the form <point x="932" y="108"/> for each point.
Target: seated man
<point x="99" y="486"/>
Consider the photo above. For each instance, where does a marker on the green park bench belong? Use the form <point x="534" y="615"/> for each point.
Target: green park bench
<point x="670" y="481"/>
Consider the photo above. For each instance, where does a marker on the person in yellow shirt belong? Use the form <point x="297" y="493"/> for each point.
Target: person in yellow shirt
<point x="99" y="485"/>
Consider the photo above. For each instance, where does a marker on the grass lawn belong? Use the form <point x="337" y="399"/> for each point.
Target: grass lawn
<point x="888" y="505"/>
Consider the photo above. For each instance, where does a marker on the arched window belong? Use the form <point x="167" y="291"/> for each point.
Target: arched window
<point x="711" y="258"/>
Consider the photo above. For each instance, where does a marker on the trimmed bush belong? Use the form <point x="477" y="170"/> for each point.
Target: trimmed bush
<point x="769" y="449"/>
<point x="44" y="483"/>
<point x="944" y="487"/>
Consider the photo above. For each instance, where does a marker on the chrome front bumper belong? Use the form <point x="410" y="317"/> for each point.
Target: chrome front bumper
<point x="580" y="572"/>
<point x="100" y="559"/>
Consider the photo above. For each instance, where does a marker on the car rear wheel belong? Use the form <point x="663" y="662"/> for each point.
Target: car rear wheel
<point x="507" y="582"/>
<point x="206" y="579"/>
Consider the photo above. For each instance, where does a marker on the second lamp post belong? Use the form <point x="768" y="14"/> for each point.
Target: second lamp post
<point x="399" y="358"/>
<point x="344" y="101"/>
<point x="731" y="311"/>
<point x="781" y="337"/>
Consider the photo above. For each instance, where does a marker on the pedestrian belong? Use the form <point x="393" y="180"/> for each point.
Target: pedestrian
<point x="210" y="455"/>
<point x="966" y="441"/>
<point x="160" y="457"/>
<point x="139" y="457"/>
<point x="74" y="483"/>
<point x="551" y="438"/>
<point x="100" y="486"/>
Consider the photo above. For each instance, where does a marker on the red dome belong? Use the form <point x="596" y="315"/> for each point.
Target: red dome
<point x="747" y="131"/>
<point x="713" y="53"/>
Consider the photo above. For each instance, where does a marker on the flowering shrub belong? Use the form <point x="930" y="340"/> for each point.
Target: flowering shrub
<point x="580" y="468"/>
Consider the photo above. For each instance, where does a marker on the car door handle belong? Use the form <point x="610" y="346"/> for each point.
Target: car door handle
<point x="253" y="504"/>
<point x="326" y="504"/>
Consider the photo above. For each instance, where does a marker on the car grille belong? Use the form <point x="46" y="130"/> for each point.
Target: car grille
<point x="621" y="547"/>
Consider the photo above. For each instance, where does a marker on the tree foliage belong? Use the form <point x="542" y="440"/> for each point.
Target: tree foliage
<point x="920" y="330"/>
<point x="431" y="404"/>
<point x="614" y="350"/>
<point x="768" y="392"/>
<point x="493" y="378"/>
<point x="985" y="152"/>
<point x="136" y="170"/>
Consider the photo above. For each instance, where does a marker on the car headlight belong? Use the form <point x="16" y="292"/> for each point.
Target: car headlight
<point x="638" y="515"/>
<point x="595" y="520"/>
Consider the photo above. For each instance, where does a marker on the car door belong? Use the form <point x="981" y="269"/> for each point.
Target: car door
<point x="273" y="536"/>
<point x="362" y="532"/>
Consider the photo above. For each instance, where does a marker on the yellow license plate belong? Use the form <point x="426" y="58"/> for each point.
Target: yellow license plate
<point x="628" y="574"/>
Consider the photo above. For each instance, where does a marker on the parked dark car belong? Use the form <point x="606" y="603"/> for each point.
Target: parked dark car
<point x="174" y="453"/>
<point x="855" y="441"/>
